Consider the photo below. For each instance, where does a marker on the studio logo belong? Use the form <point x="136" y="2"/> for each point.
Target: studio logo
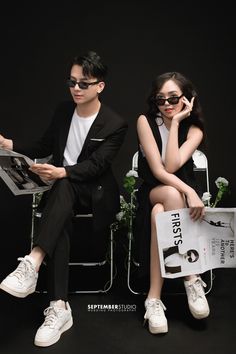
<point x="111" y="307"/>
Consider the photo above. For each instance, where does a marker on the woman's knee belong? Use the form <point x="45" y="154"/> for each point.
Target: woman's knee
<point x="168" y="196"/>
<point x="173" y="195"/>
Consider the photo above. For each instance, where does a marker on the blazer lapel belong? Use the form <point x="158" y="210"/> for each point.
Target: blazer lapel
<point x="97" y="125"/>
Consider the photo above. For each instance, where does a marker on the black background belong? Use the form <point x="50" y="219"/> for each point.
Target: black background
<point x="138" y="40"/>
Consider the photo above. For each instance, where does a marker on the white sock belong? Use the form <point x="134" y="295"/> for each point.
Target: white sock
<point x="33" y="261"/>
<point x="58" y="303"/>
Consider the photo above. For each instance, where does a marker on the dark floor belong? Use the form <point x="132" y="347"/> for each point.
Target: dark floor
<point x="121" y="330"/>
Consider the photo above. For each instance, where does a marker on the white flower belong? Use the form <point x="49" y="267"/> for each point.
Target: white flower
<point x="132" y="173"/>
<point x="221" y="181"/>
<point x="122" y="200"/>
<point x="119" y="216"/>
<point x="206" y="197"/>
<point x="127" y="209"/>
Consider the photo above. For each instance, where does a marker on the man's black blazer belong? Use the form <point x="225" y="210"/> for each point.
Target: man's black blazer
<point x="93" y="167"/>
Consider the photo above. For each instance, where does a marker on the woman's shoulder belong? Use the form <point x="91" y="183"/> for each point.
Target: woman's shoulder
<point x="194" y="130"/>
<point x="145" y="121"/>
<point x="141" y="116"/>
<point x="142" y="119"/>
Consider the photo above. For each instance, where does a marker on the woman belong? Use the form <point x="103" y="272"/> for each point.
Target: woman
<point x="170" y="131"/>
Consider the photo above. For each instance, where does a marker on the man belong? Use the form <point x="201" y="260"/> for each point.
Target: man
<point x="83" y="139"/>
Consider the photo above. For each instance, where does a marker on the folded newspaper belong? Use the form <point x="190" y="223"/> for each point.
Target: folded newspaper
<point x="14" y="170"/>
<point x="194" y="247"/>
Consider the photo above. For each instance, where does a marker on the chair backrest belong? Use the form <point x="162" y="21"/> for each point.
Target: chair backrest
<point x="200" y="163"/>
<point x="135" y="161"/>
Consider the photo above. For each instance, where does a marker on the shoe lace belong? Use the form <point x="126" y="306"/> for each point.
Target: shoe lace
<point x="23" y="269"/>
<point x="154" y="308"/>
<point x="51" y="316"/>
<point x="196" y="289"/>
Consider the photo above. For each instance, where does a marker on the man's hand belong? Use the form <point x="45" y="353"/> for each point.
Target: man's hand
<point x="48" y="172"/>
<point x="5" y="143"/>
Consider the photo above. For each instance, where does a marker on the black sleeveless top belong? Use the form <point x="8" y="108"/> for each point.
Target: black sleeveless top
<point x="185" y="173"/>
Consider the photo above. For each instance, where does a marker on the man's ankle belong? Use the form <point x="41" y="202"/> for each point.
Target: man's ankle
<point x="60" y="304"/>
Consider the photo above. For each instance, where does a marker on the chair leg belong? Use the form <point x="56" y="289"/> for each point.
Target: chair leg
<point x="210" y="284"/>
<point x="109" y="283"/>
<point x="130" y="237"/>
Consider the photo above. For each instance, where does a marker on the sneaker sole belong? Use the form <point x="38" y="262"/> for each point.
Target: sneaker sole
<point x="200" y="316"/>
<point x="15" y="293"/>
<point x="56" y="338"/>
<point x="160" y="329"/>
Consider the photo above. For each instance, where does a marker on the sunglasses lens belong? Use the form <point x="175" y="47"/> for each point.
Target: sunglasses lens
<point x="160" y="101"/>
<point x="173" y="100"/>
<point x="83" y="85"/>
<point x="71" y="83"/>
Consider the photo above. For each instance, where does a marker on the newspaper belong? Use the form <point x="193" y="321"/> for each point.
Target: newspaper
<point x="14" y="171"/>
<point x="193" y="247"/>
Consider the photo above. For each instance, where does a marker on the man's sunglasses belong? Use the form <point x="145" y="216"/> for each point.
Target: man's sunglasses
<point x="171" y="100"/>
<point x="82" y="84"/>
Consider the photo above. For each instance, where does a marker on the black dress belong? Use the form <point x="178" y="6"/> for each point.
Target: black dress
<point x="142" y="222"/>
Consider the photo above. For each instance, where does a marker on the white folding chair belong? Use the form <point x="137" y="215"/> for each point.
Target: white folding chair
<point x="108" y="257"/>
<point x="131" y="260"/>
<point x="107" y="260"/>
<point x="200" y="165"/>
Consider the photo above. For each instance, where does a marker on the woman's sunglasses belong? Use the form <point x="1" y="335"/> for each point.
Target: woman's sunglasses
<point x="160" y="101"/>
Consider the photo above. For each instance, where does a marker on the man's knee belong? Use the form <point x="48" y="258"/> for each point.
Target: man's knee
<point x="62" y="192"/>
<point x="62" y="184"/>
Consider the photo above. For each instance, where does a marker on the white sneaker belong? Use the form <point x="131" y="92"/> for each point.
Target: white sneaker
<point x="155" y="315"/>
<point x="197" y="301"/>
<point x="57" y="320"/>
<point x="23" y="280"/>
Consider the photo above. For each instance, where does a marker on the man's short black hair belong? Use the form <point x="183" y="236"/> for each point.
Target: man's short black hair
<point x="91" y="64"/>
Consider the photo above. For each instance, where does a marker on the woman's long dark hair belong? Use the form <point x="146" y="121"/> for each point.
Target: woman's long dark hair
<point x="187" y="88"/>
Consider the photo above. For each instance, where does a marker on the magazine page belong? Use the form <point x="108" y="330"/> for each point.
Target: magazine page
<point x="219" y="225"/>
<point x="14" y="171"/>
<point x="190" y="247"/>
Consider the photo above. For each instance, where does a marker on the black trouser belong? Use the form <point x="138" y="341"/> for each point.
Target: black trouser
<point x="54" y="229"/>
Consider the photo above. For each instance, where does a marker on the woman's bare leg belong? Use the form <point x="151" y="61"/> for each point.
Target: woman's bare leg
<point x="163" y="198"/>
<point x="156" y="280"/>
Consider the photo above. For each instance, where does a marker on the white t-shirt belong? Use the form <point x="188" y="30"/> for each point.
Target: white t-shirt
<point x="164" y="132"/>
<point x="79" y="129"/>
<point x="164" y="136"/>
